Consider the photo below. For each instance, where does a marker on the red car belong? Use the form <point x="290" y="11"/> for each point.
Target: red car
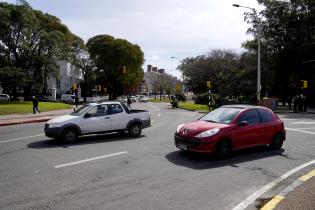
<point x="231" y="127"/>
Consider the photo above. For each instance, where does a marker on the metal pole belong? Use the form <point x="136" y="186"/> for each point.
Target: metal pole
<point x="258" y="67"/>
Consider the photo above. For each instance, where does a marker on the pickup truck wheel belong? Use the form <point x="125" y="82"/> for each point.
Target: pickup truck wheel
<point x="135" y="129"/>
<point x="69" y="135"/>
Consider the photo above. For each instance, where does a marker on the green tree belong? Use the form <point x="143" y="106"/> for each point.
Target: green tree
<point x="222" y="67"/>
<point x="287" y="35"/>
<point x="111" y="56"/>
<point x="32" y="42"/>
<point x="82" y="60"/>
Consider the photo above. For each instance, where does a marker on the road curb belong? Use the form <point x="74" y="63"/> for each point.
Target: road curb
<point x="203" y="112"/>
<point x="25" y="121"/>
<point x="278" y="198"/>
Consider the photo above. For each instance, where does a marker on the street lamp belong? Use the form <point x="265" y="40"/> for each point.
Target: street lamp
<point x="258" y="54"/>
<point x="175" y="58"/>
<point x="259" y="49"/>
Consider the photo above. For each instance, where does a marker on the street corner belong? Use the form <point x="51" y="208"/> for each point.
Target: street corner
<point x="298" y="195"/>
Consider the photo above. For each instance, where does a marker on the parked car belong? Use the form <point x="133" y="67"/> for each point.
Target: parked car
<point x="42" y="98"/>
<point x="110" y="116"/>
<point x="122" y="99"/>
<point x="143" y="99"/>
<point x="4" y="97"/>
<point x="133" y="99"/>
<point x="229" y="128"/>
<point x="69" y="98"/>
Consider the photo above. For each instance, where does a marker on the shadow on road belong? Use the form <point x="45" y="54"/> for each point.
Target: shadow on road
<point x="204" y="161"/>
<point x="92" y="139"/>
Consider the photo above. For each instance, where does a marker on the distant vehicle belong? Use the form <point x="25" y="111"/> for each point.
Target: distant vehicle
<point x="110" y="116"/>
<point x="143" y="99"/>
<point x="122" y="99"/>
<point x="133" y="99"/>
<point x="69" y="98"/>
<point x="42" y="98"/>
<point x="231" y="128"/>
<point x="4" y="97"/>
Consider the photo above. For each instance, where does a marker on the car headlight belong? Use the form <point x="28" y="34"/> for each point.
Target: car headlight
<point x="179" y="127"/>
<point x="208" y="133"/>
<point x="53" y="125"/>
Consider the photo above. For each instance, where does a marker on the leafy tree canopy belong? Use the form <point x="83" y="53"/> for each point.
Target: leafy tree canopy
<point x="32" y="42"/>
<point x="111" y="56"/>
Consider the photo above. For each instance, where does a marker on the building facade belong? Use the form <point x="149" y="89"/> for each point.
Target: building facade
<point x="68" y="76"/>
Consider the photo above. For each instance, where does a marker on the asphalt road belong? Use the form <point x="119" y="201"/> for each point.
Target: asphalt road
<point x="115" y="172"/>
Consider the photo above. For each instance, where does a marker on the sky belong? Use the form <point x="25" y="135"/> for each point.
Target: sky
<point x="162" y="28"/>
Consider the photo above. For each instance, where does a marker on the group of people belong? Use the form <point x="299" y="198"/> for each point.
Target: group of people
<point x="300" y="104"/>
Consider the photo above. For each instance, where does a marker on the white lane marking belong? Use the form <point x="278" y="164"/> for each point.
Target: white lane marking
<point x="303" y="122"/>
<point x="27" y="137"/>
<point x="159" y="115"/>
<point x="313" y="128"/>
<point x="292" y="129"/>
<point x="90" y="159"/>
<point x="267" y="187"/>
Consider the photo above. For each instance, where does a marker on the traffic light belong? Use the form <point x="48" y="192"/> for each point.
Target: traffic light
<point x="124" y="70"/>
<point x="98" y="88"/>
<point x="74" y="88"/>
<point x="303" y="84"/>
<point x="209" y="84"/>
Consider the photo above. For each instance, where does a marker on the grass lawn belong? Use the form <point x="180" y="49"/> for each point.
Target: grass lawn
<point x="17" y="107"/>
<point x="157" y="100"/>
<point x="191" y="106"/>
<point x="185" y="105"/>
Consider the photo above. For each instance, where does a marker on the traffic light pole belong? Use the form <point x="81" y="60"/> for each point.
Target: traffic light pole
<point x="209" y="99"/>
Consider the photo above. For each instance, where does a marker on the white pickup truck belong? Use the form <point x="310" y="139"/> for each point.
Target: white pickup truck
<point x="101" y="117"/>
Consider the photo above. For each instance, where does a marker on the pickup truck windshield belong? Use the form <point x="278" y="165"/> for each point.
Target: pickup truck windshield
<point x="81" y="110"/>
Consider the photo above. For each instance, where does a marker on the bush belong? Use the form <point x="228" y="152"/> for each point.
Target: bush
<point x="180" y="97"/>
<point x="202" y="99"/>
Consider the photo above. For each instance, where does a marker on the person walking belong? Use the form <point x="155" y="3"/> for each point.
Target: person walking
<point x="129" y="102"/>
<point x="35" y="105"/>
<point x="76" y="99"/>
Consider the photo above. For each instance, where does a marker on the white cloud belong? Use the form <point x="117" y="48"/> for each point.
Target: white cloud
<point x="162" y="28"/>
<point x="153" y="58"/>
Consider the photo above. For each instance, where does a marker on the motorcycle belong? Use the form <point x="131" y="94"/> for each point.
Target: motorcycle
<point x="174" y="104"/>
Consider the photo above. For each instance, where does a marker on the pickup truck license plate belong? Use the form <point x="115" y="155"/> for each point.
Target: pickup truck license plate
<point x="182" y="146"/>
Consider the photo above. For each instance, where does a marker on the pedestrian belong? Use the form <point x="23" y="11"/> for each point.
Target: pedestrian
<point x="304" y="104"/>
<point x="76" y="99"/>
<point x="129" y="102"/>
<point x="301" y="103"/>
<point x="295" y="101"/>
<point x="35" y="105"/>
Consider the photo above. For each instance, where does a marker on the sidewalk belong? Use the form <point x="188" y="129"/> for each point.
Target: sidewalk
<point x="29" y="117"/>
<point x="303" y="197"/>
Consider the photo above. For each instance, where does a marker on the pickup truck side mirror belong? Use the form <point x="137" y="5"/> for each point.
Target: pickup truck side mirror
<point x="243" y="123"/>
<point x="87" y="115"/>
